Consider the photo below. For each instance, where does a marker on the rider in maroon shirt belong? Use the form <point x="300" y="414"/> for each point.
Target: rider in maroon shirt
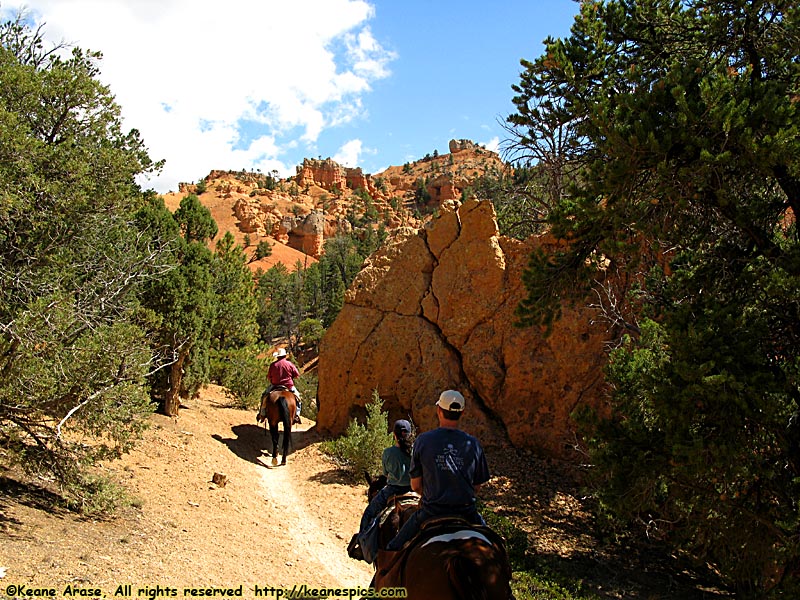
<point x="283" y="372"/>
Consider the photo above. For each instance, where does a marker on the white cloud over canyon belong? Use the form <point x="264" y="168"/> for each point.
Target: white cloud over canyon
<point x="230" y="84"/>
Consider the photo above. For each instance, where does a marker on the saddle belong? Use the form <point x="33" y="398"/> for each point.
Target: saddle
<point x="364" y="546"/>
<point x="448" y="524"/>
<point x="396" y="503"/>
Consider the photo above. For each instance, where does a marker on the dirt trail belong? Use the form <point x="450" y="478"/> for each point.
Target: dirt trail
<point x="268" y="526"/>
<point x="314" y="542"/>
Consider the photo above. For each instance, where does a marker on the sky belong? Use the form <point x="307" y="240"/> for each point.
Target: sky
<point x="262" y="84"/>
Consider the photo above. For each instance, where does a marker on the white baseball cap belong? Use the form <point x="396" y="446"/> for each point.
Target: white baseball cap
<point x="451" y="400"/>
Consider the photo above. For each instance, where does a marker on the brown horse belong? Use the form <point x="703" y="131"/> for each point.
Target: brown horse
<point x="278" y="406"/>
<point x="449" y="560"/>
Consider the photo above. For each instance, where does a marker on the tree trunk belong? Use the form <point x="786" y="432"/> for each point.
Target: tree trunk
<point x="172" y="400"/>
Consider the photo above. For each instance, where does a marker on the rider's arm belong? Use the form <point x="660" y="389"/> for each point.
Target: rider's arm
<point x="416" y="484"/>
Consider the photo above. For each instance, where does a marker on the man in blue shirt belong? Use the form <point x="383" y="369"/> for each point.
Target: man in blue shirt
<point x="447" y="469"/>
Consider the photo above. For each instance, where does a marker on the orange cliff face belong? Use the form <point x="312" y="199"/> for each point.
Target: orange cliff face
<point x="434" y="309"/>
<point x="331" y="176"/>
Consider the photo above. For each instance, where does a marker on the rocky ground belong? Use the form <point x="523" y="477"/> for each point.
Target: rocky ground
<point x="270" y="527"/>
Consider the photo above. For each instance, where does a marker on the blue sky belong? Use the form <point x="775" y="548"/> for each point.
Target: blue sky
<point x="262" y="84"/>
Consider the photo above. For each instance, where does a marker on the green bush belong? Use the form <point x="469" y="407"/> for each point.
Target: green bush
<point x="242" y="372"/>
<point x="311" y="331"/>
<point x="263" y="249"/>
<point x="516" y="539"/>
<point x="533" y="579"/>
<point x="529" y="585"/>
<point x="360" y="448"/>
<point x="96" y="496"/>
<point x="306" y="384"/>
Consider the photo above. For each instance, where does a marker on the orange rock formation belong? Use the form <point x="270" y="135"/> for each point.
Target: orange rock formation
<point x="434" y="309"/>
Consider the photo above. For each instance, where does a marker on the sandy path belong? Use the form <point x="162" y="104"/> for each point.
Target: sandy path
<point x="314" y="545"/>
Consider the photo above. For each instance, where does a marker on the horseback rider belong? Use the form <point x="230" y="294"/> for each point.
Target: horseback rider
<point x="448" y="467"/>
<point x="396" y="461"/>
<point x="282" y="372"/>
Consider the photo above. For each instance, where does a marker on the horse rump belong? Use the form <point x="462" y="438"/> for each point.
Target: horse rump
<point x="463" y="565"/>
<point x="472" y="580"/>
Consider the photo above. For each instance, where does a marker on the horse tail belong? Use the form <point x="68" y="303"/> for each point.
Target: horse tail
<point x="283" y="411"/>
<point x="465" y="579"/>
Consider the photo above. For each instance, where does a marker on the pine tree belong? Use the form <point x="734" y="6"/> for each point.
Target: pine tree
<point x="182" y="302"/>
<point x="682" y="126"/>
<point x="73" y="357"/>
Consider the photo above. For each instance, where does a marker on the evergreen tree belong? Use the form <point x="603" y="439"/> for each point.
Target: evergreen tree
<point x="273" y="285"/>
<point x="73" y="359"/>
<point x="235" y="323"/>
<point x="263" y="249"/>
<point x="683" y="124"/>
<point x="195" y="220"/>
<point x="342" y="259"/>
<point x="234" y="353"/>
<point x="521" y="199"/>
<point x="311" y="332"/>
<point x="182" y="302"/>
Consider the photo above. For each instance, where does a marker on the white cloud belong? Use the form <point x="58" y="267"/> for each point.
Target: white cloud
<point x="493" y="144"/>
<point x="370" y="58"/>
<point x="189" y="73"/>
<point x="349" y="153"/>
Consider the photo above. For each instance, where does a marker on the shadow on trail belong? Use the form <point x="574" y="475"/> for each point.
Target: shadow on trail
<point x="335" y="476"/>
<point x="252" y="442"/>
<point x="29" y="494"/>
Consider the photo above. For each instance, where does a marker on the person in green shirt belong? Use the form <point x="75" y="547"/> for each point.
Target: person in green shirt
<point x="396" y="461"/>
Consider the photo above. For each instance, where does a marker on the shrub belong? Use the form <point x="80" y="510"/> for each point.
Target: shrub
<point x="242" y="373"/>
<point x="361" y="447"/>
<point x="96" y="496"/>
<point x="306" y="384"/>
<point x="263" y="249"/>
<point x="516" y="539"/>
<point x="311" y="331"/>
<point x="529" y="585"/>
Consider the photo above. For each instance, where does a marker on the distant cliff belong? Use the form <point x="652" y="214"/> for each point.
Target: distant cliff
<point x="324" y="198"/>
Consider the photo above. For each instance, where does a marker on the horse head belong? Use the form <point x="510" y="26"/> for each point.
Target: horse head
<point x="375" y="485"/>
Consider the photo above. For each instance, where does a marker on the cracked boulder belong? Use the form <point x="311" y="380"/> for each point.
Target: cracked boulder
<point x="434" y="310"/>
